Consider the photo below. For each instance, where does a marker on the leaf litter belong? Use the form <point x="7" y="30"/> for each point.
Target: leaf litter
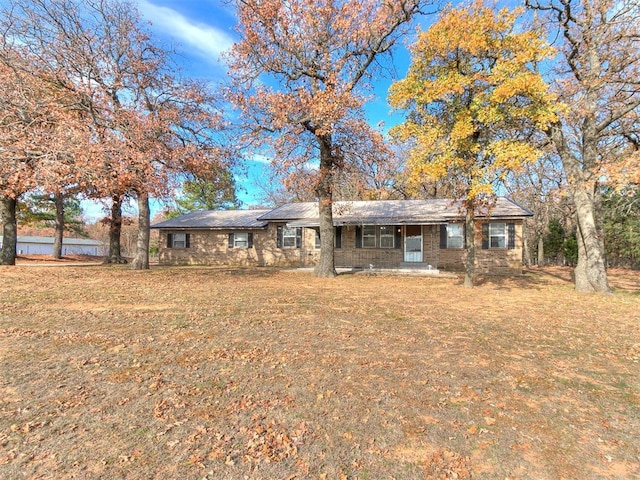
<point x="267" y="373"/>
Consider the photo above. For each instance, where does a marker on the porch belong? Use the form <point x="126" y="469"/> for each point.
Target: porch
<point x="414" y="247"/>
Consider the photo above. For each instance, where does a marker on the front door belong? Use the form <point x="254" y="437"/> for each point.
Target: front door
<point x="413" y="243"/>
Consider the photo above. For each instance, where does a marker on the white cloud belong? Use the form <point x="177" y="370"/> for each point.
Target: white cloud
<point x="258" y="158"/>
<point x="207" y="41"/>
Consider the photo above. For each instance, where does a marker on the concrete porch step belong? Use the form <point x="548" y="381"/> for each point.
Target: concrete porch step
<point x="417" y="265"/>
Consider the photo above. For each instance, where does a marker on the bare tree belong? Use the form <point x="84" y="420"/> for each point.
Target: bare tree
<point x="300" y="79"/>
<point x="598" y="79"/>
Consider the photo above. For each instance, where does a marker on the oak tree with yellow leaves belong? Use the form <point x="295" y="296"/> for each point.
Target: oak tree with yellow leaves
<point x="474" y="100"/>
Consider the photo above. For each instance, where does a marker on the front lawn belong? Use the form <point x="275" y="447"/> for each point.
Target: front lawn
<point x="273" y="374"/>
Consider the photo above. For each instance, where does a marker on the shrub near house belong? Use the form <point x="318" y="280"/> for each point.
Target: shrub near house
<point x="380" y="234"/>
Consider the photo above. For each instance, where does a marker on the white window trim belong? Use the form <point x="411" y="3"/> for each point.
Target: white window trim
<point x="500" y="235"/>
<point x="289" y="234"/>
<point x="239" y="241"/>
<point x="368" y="236"/>
<point x="179" y="240"/>
<point x="459" y="234"/>
<point x="387" y="236"/>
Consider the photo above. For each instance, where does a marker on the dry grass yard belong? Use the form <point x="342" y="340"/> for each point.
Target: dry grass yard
<point x="214" y="373"/>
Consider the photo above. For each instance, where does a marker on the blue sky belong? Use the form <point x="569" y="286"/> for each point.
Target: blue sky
<point x="201" y="30"/>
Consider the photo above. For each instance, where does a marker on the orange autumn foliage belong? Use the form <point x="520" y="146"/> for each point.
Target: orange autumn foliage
<point x="300" y="77"/>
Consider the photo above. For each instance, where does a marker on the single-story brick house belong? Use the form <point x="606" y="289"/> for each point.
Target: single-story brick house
<point x="379" y="234"/>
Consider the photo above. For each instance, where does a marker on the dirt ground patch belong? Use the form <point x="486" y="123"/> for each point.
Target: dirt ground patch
<point x="264" y="373"/>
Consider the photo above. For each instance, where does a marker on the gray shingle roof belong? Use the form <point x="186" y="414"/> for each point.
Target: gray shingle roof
<point x="390" y="212"/>
<point x="216" y="219"/>
<point x="292" y="211"/>
<point x="374" y="212"/>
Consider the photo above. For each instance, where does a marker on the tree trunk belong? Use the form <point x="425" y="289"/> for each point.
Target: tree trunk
<point x="470" y="239"/>
<point x="541" y="261"/>
<point x="526" y="248"/>
<point x="326" y="263"/>
<point x="115" y="230"/>
<point x="590" y="271"/>
<point x="9" y="231"/>
<point x="59" y="225"/>
<point x="141" y="260"/>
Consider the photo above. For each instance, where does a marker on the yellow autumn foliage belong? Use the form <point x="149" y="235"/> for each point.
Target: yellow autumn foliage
<point x="470" y="97"/>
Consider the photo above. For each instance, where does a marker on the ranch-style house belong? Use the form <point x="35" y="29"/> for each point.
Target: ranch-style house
<point x="368" y="234"/>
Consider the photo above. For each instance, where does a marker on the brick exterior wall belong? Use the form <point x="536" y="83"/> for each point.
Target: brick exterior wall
<point x="495" y="261"/>
<point x="210" y="247"/>
<point x="501" y="261"/>
<point x="350" y="256"/>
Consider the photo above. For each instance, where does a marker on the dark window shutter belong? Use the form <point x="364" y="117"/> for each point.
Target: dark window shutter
<point x="511" y="239"/>
<point x="279" y="236"/>
<point x="298" y="237"/>
<point x="317" y="239"/>
<point x="443" y="236"/>
<point x="231" y="240"/>
<point x="398" y="236"/>
<point x="464" y="236"/>
<point x="485" y="236"/>
<point x="169" y="240"/>
<point x="338" y="243"/>
<point x="358" y="236"/>
<point x="187" y="240"/>
<point x="250" y="240"/>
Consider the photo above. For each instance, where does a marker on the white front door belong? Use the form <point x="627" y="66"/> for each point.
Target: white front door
<point x="413" y="243"/>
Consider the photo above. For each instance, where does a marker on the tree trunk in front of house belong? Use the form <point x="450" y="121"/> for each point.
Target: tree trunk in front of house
<point x="324" y="190"/>
<point x="59" y="225"/>
<point x="470" y="239"/>
<point x="115" y="230"/>
<point x="9" y="231"/>
<point x="141" y="260"/>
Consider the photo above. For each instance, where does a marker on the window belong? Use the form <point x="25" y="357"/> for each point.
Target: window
<point x="337" y="242"/>
<point x="387" y="236"/>
<point x="455" y="235"/>
<point x="241" y="240"/>
<point x="497" y="235"/>
<point x="452" y="235"/>
<point x="390" y="236"/>
<point x="317" y="245"/>
<point x="369" y="236"/>
<point x="178" y="240"/>
<point x="289" y="237"/>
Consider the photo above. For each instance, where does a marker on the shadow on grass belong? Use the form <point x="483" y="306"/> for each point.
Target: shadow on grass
<point x="530" y="279"/>
<point x="253" y="272"/>
<point x="621" y="280"/>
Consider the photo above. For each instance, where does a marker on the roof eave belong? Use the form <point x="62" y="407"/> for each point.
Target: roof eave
<point x="228" y="227"/>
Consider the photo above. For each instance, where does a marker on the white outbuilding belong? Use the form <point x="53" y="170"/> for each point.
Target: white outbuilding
<point x="28" y="245"/>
